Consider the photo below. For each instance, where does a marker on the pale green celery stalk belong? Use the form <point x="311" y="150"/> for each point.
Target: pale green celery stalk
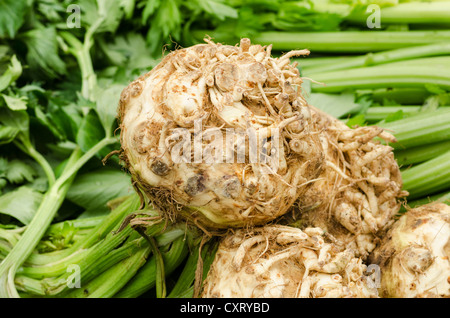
<point x="25" y="145"/>
<point x="80" y="228"/>
<point x="10" y="237"/>
<point x="423" y="129"/>
<point x="94" y="260"/>
<point x="187" y="276"/>
<point x="378" y="113"/>
<point x="105" y="280"/>
<point x="427" y="178"/>
<point x="50" y="204"/>
<point x="109" y="282"/>
<point x="83" y="257"/>
<point x="339" y="41"/>
<point x="440" y="197"/>
<point x="310" y="62"/>
<point x="92" y="263"/>
<point x="81" y="51"/>
<point x="403" y="96"/>
<point x="420" y="154"/>
<point x="145" y="279"/>
<point x="371" y="59"/>
<point x="128" y="205"/>
<point x="5" y="248"/>
<point x="59" y="286"/>
<point x="184" y="286"/>
<point x="414" y="12"/>
<point x="382" y="76"/>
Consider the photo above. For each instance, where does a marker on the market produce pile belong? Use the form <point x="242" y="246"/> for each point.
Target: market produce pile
<point x="105" y="106"/>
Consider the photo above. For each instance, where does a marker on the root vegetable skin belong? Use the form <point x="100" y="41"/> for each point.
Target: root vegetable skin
<point x="357" y="194"/>
<point x="414" y="255"/>
<point x="225" y="88"/>
<point x="284" y="262"/>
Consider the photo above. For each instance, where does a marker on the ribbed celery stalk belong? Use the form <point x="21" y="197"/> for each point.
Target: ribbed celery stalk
<point x="337" y="42"/>
<point x="403" y="96"/>
<point x="35" y="230"/>
<point x="184" y="286"/>
<point x="108" y="282"/>
<point x="420" y="154"/>
<point x="145" y="279"/>
<point x="430" y="177"/>
<point x="414" y="12"/>
<point x="440" y="197"/>
<point x="378" y="113"/>
<point x="383" y="76"/>
<point x="371" y="59"/>
<point x="429" y="127"/>
<point x="128" y="205"/>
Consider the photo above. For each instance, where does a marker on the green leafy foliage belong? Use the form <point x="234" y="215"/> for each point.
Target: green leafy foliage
<point x="12" y="16"/>
<point x="95" y="189"/>
<point x="42" y="51"/>
<point x="13" y="71"/>
<point x="21" y="203"/>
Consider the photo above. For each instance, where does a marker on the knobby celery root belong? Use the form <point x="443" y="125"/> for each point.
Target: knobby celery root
<point x="223" y="89"/>
<point x="285" y="262"/>
<point x="414" y="256"/>
<point x="357" y="195"/>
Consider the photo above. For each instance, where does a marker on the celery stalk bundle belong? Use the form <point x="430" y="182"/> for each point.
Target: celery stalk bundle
<point x="101" y="260"/>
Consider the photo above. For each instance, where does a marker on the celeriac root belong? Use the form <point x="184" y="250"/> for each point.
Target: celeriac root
<point x="186" y="135"/>
<point x="360" y="188"/>
<point x="414" y="256"/>
<point x="281" y="261"/>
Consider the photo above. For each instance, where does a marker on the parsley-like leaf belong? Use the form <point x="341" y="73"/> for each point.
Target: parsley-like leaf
<point x="12" y="16"/>
<point x="42" y="52"/>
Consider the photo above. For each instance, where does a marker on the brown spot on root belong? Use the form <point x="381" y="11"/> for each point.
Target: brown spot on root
<point x="159" y="167"/>
<point x="195" y="185"/>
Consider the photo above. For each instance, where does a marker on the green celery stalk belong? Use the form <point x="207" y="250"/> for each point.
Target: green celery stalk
<point x="35" y="230"/>
<point x="309" y="62"/>
<point x="339" y="41"/>
<point x="145" y="279"/>
<point x="58" y="285"/>
<point x="184" y="286"/>
<point x="49" y="206"/>
<point x="423" y="129"/>
<point x="371" y="59"/>
<point x="403" y="96"/>
<point x="108" y="282"/>
<point x="440" y="197"/>
<point x="111" y="221"/>
<point x="430" y="177"/>
<point x="382" y="76"/>
<point x="414" y="12"/>
<point x="84" y="258"/>
<point x="378" y="113"/>
<point x="420" y="154"/>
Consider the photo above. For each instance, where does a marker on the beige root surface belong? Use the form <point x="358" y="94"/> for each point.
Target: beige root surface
<point x="228" y="88"/>
<point x="358" y="192"/>
<point x="414" y="256"/>
<point x="285" y="262"/>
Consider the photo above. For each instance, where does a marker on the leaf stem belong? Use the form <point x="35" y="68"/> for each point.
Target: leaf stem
<point x="50" y="204"/>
